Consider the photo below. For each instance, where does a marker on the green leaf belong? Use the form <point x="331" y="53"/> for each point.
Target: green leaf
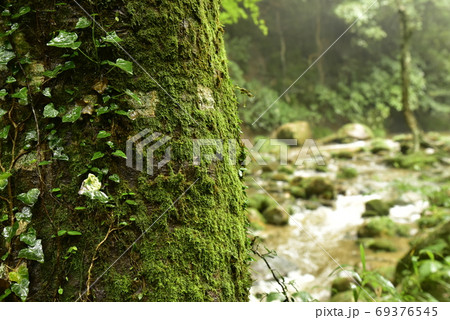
<point x="21" y="289"/>
<point x="4" y="132"/>
<point x="24" y="215"/>
<point x="3" y="218"/>
<point x="61" y="233"/>
<point x="103" y="134"/>
<point x="131" y="202"/>
<point x="82" y="23"/>
<point x="111" y="37"/>
<point x="102" y="110"/>
<point x="60" y="291"/>
<point x="3" y="94"/>
<point x="74" y="233"/>
<point x="429" y="267"/>
<point x="114" y="178"/>
<point x="80" y="208"/>
<point x="10" y="79"/>
<point x="275" y="296"/>
<point x="125" y="65"/>
<point x="97" y="155"/>
<point x="97" y="195"/>
<point x="6" y="56"/>
<point x="22" y="11"/>
<point x="2" y="112"/>
<point x="119" y="153"/>
<point x="4" y="180"/>
<point x="33" y="252"/>
<point x="50" y="111"/>
<point x="73" y="115"/>
<point x="29" y="198"/>
<point x="22" y="95"/>
<point x="47" y="92"/>
<point x="6" y="294"/>
<point x="13" y="28"/>
<point x="65" y="40"/>
<point x="10" y="231"/>
<point x="58" y="69"/>
<point x="29" y="237"/>
<point x="133" y="95"/>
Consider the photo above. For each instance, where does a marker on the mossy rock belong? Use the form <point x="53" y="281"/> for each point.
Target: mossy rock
<point x="382" y="226"/>
<point x="415" y="161"/>
<point x="256" y="219"/>
<point x="343" y="155"/>
<point x="288" y="169"/>
<point x="376" y="208"/>
<point x="280" y="177"/>
<point x="347" y="173"/>
<point x="260" y="202"/>
<point x="433" y="218"/>
<point x="297" y="192"/>
<point x="385" y="245"/>
<point x="276" y="215"/>
<point x="355" y="131"/>
<point x="319" y="187"/>
<point x="270" y="167"/>
<point x="300" y="131"/>
<point x="321" y="168"/>
<point x="379" y="146"/>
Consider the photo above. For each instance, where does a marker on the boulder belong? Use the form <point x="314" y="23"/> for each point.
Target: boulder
<point x="382" y="226"/>
<point x="276" y="215"/>
<point x="255" y="219"/>
<point x="376" y="208"/>
<point x="259" y="202"/>
<point x="313" y="187"/>
<point x="355" y="131"/>
<point x="385" y="245"/>
<point x="299" y="131"/>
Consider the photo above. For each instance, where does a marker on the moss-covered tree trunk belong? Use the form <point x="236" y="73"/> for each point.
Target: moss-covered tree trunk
<point x="74" y="120"/>
<point x="405" y="62"/>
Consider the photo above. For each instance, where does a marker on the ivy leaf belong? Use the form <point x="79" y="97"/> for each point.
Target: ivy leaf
<point x="22" y="95"/>
<point x="29" y="237"/>
<point x="10" y="231"/>
<point x="97" y="155"/>
<point x="133" y="95"/>
<point x="82" y="23"/>
<point x="10" y="79"/>
<point x="119" y="153"/>
<point x="50" y="111"/>
<point x="111" y="37"/>
<point x="2" y="112"/>
<point x="4" y="132"/>
<point x="29" y="198"/>
<point x="125" y="65"/>
<point x="21" y="289"/>
<point x="22" y="11"/>
<point x="25" y="215"/>
<point x="4" y="180"/>
<point x="3" y="94"/>
<point x="65" y="40"/>
<point x="73" y="115"/>
<point x="58" y="69"/>
<point x="103" y="134"/>
<point x="46" y="92"/>
<point x="6" y="56"/>
<point x="33" y="252"/>
<point x="114" y="178"/>
<point x="21" y="279"/>
<point x="14" y="27"/>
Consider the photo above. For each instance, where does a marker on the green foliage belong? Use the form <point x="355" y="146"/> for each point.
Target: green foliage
<point x="233" y="10"/>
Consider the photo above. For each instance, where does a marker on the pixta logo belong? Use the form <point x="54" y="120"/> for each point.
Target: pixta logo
<point x="141" y="149"/>
<point x="216" y="150"/>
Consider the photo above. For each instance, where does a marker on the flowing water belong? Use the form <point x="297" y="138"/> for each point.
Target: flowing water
<point x="317" y="241"/>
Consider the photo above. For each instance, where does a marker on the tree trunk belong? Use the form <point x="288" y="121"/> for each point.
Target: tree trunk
<point x="184" y="225"/>
<point x="405" y="60"/>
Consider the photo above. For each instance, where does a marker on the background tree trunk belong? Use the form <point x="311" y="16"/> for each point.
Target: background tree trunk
<point x="405" y="60"/>
<point x="197" y="250"/>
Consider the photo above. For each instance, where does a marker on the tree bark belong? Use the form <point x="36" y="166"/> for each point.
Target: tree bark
<point x="405" y="61"/>
<point x="188" y="219"/>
